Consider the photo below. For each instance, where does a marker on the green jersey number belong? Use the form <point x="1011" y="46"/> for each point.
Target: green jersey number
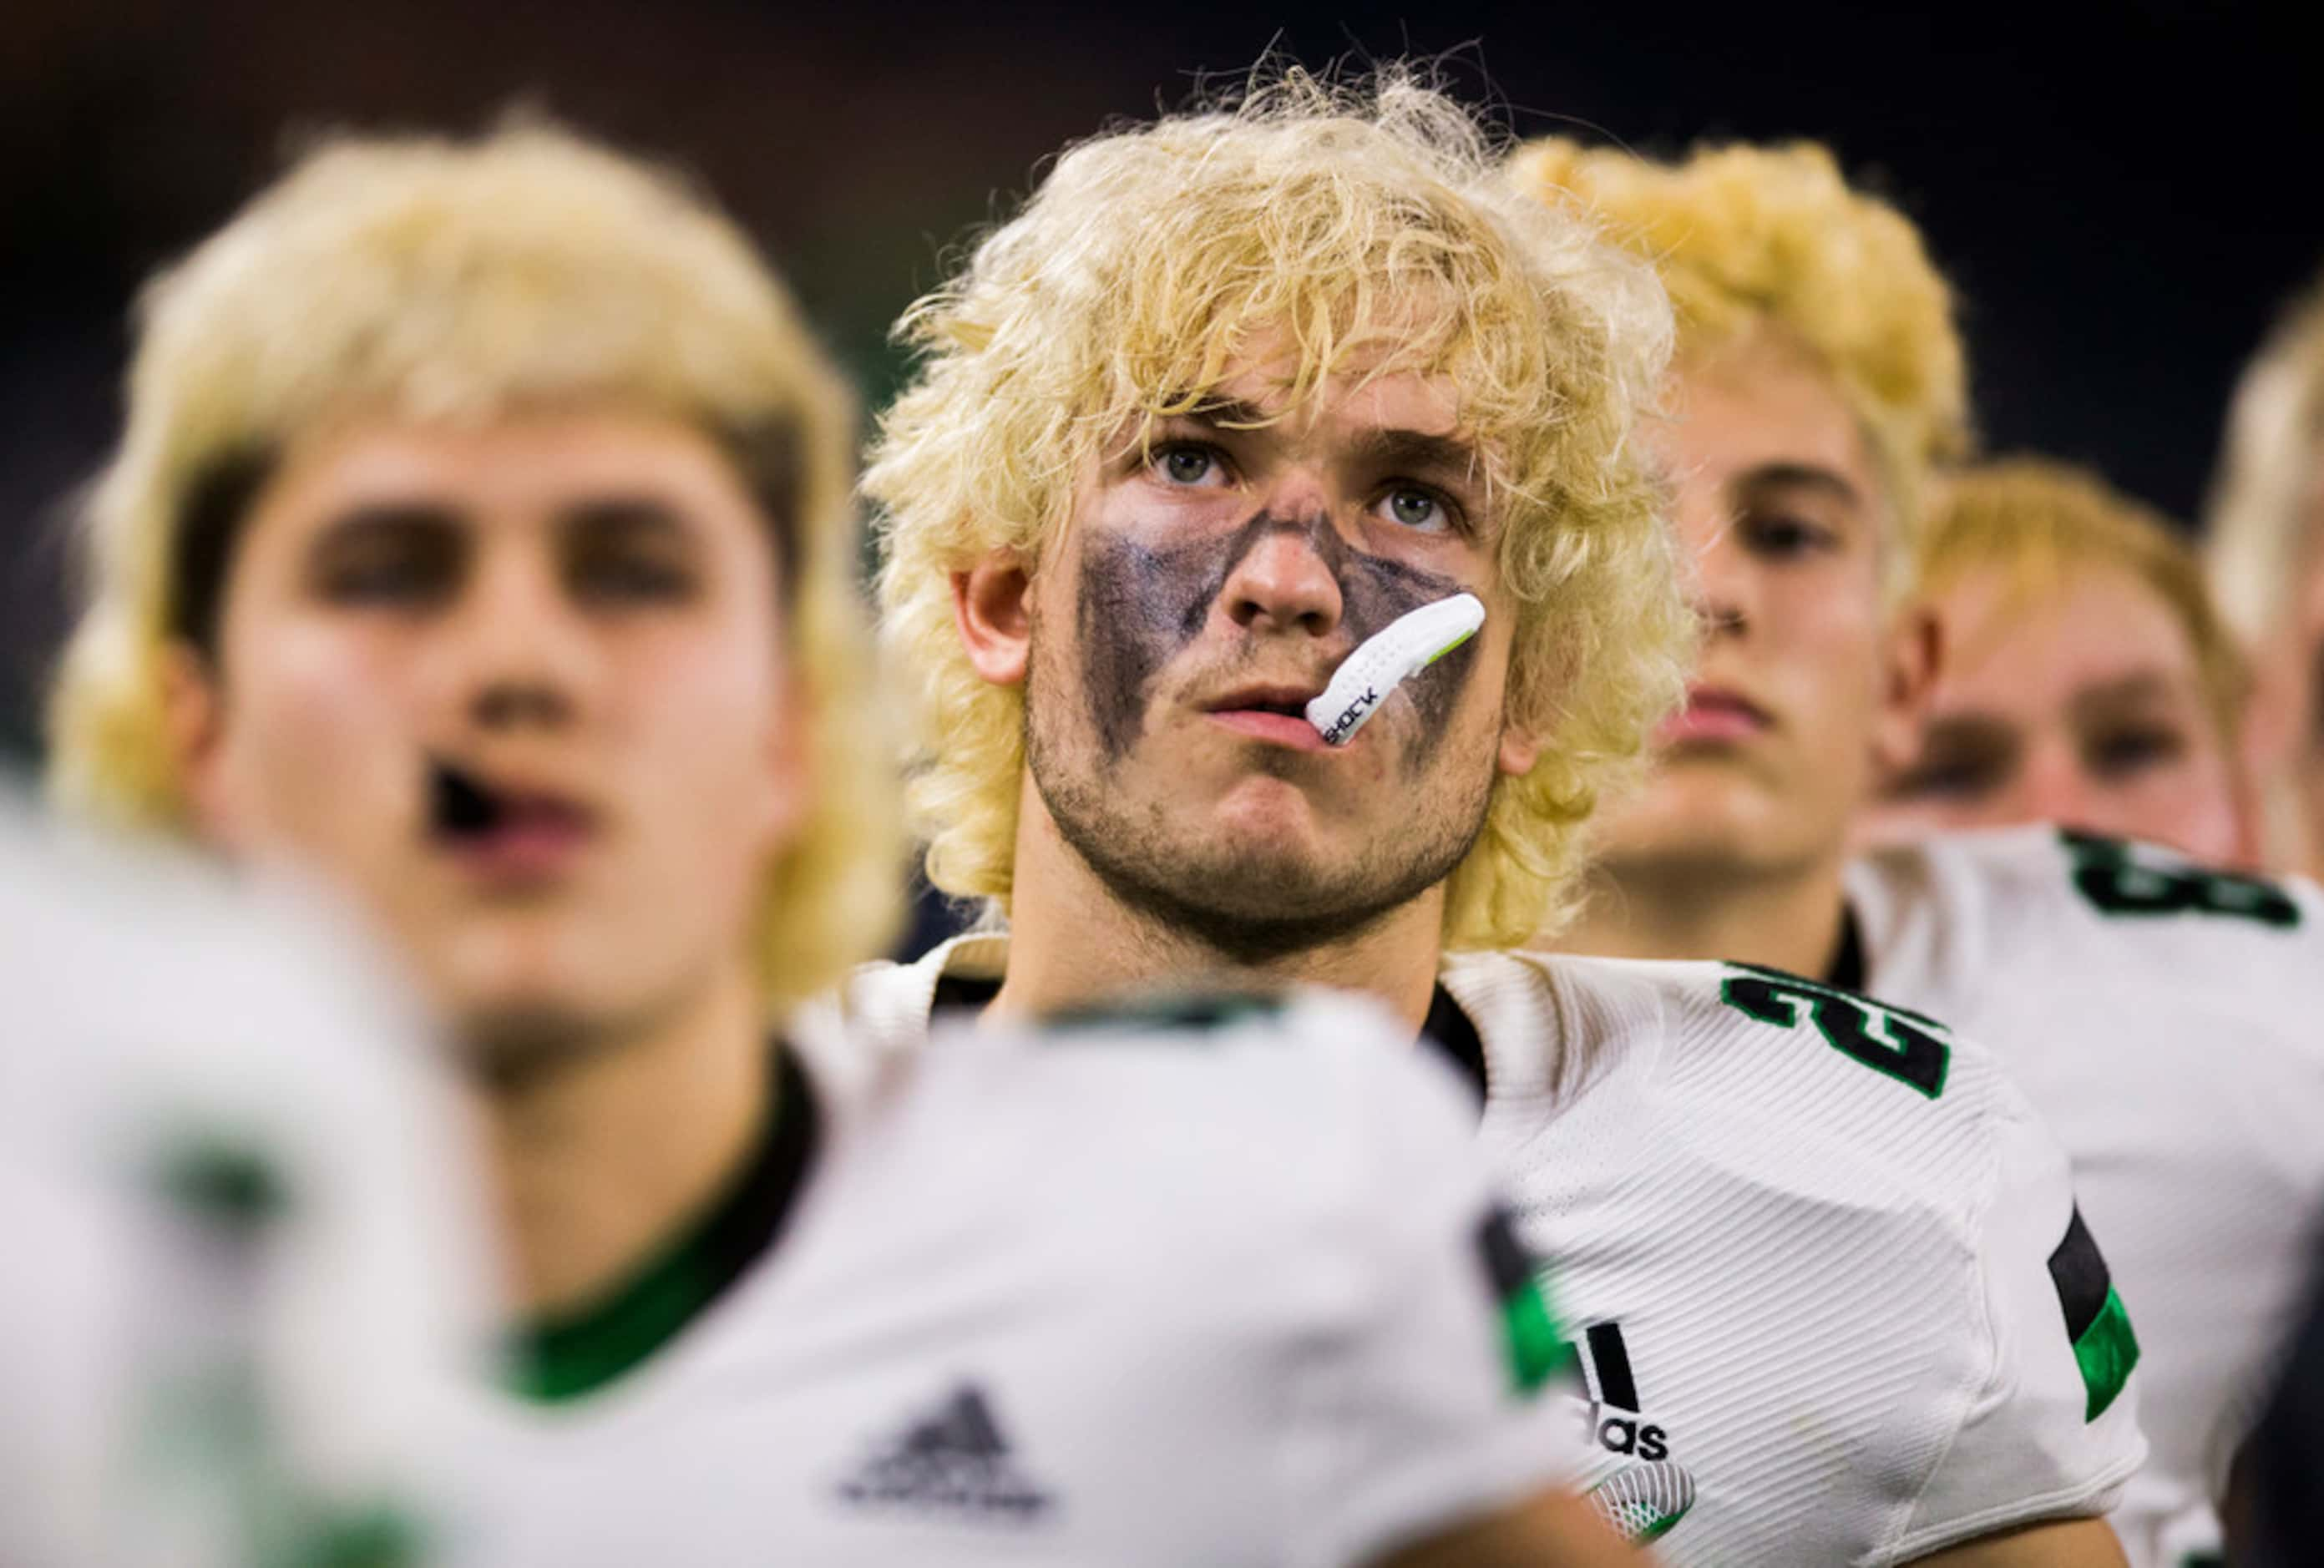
<point x="2115" y="881"/>
<point x="1906" y="1045"/>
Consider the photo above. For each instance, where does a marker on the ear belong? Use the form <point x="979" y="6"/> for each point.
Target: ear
<point x="1520" y="750"/>
<point x="2250" y="806"/>
<point x="193" y="725"/>
<point x="1912" y="655"/>
<point x="992" y="603"/>
<point x="789" y="763"/>
<point x="2271" y="715"/>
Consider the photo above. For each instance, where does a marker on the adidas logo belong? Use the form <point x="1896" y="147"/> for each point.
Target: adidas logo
<point x="1619" y="1433"/>
<point x="954" y="1460"/>
<point x="1644" y="1499"/>
<point x="1612" y="1417"/>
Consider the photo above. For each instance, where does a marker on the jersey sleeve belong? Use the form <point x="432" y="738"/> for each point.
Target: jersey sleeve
<point x="1439" y="1405"/>
<point x="2051" y="1430"/>
<point x="270" y="1282"/>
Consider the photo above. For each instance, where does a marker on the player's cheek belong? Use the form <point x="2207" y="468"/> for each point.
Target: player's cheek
<point x="330" y="733"/>
<point x="697" y="719"/>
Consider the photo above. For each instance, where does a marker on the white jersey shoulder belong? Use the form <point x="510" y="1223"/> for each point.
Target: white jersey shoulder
<point x="2168" y="1021"/>
<point x="1213" y="1281"/>
<point x="1822" y="1259"/>
<point x="259" y="1278"/>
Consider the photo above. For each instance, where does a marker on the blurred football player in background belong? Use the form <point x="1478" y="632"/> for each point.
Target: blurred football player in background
<point x="247" y="1284"/>
<point x="2159" y="1015"/>
<point x="2264" y="545"/>
<point x="1234" y="390"/>
<point x="482" y="536"/>
<point x="2086" y="679"/>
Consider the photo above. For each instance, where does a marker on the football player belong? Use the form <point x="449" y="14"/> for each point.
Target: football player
<point x="247" y="1287"/>
<point x="2086" y="679"/>
<point x="1238" y="391"/>
<point x="2155" y="1012"/>
<point x="481" y="537"/>
<point x="2264" y="545"/>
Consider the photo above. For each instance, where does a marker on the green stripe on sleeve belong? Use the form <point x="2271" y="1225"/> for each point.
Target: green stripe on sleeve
<point x="1537" y="1351"/>
<point x="2106" y="1351"/>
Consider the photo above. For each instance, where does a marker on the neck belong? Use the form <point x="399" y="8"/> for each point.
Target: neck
<point x="600" y="1158"/>
<point x="1789" y="920"/>
<point x="1072" y="943"/>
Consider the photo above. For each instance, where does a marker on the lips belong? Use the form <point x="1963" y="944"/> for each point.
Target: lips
<point x="1713" y="716"/>
<point x="1275" y="712"/>
<point x="501" y="829"/>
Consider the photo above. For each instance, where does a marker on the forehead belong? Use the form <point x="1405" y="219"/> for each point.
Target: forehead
<point x="2102" y="624"/>
<point x="1758" y="403"/>
<point x="523" y="461"/>
<point x="1366" y="389"/>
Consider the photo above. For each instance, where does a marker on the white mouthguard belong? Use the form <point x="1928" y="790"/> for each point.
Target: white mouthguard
<point x="1400" y="649"/>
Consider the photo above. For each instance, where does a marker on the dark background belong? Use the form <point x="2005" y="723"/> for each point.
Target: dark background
<point x="2123" y="194"/>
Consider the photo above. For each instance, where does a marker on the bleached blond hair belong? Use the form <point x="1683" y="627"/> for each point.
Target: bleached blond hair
<point x="1368" y="223"/>
<point x="1749" y="237"/>
<point x="443" y="280"/>
<point x="2039" y="524"/>
<point x="2257" y="537"/>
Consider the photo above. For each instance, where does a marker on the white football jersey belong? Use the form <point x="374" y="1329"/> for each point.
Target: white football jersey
<point x="2169" y="1024"/>
<point x="1223" y="1283"/>
<point x="248" y="1284"/>
<point x="1822" y="1260"/>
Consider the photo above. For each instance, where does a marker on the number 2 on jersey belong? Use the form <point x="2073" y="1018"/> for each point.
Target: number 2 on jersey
<point x="1907" y="1048"/>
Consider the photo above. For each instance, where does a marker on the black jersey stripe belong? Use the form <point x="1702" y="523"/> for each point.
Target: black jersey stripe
<point x="2079" y="1269"/>
<point x="1611" y="1358"/>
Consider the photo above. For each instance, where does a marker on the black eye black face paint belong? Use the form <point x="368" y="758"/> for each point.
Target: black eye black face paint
<point x="1140" y="605"/>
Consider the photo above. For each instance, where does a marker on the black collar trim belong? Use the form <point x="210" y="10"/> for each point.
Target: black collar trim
<point x="1451" y="1032"/>
<point x="575" y="1354"/>
<point x="1846" y="970"/>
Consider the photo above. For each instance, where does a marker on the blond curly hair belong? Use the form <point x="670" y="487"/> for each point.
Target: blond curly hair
<point x="1747" y="238"/>
<point x="2039" y="523"/>
<point x="449" y="280"/>
<point x="1371" y="224"/>
<point x="2257" y="537"/>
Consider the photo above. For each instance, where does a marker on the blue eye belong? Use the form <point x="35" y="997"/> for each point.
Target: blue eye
<point x="1779" y="537"/>
<point x="2126" y="752"/>
<point x="635" y="579"/>
<point x="1955" y="780"/>
<point x="1417" y="509"/>
<point x="1187" y="463"/>
<point x="389" y="565"/>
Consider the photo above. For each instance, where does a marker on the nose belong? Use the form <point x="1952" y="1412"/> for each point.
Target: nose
<point x="1720" y="577"/>
<point x="2051" y="788"/>
<point x="517" y="655"/>
<point x="1285" y="578"/>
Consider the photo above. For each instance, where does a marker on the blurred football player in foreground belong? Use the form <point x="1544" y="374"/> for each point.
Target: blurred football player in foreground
<point x="481" y="537"/>
<point x="2264" y="545"/>
<point x="1233" y="392"/>
<point x="245" y="1286"/>
<point x="2159" y="1015"/>
<point x="2085" y="679"/>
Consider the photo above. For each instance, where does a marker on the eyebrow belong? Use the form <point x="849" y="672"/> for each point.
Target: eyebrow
<point x="368" y="516"/>
<point x="2140" y="687"/>
<point x="1969" y="730"/>
<point x="1447" y="458"/>
<point x="1230" y="413"/>
<point x="1796" y="475"/>
<point x="625" y="514"/>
